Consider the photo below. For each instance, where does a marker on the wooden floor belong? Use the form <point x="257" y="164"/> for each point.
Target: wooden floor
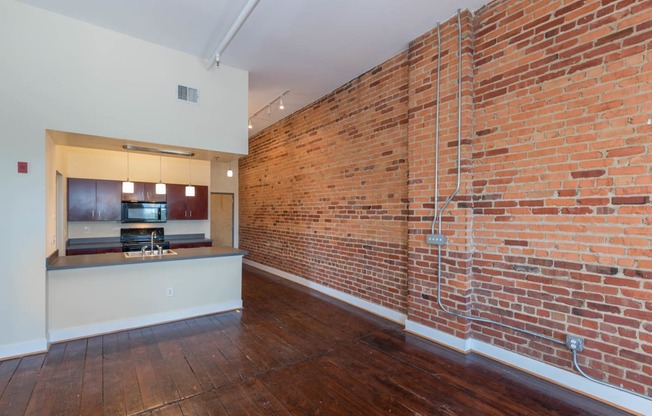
<point x="289" y="352"/>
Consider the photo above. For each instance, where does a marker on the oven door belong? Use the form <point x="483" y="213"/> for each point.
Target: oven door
<point x="144" y="212"/>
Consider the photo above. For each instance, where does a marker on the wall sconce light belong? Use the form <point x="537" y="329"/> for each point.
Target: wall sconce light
<point x="190" y="190"/>
<point x="128" y="186"/>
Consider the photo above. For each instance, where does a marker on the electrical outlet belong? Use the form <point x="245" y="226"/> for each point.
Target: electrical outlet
<point x="574" y="343"/>
<point x="169" y="291"/>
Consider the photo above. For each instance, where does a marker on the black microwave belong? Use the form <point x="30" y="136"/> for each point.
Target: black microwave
<point x="144" y="212"/>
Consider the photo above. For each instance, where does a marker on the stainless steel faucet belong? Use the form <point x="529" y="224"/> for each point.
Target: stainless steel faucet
<point x="143" y="250"/>
<point x="152" y="240"/>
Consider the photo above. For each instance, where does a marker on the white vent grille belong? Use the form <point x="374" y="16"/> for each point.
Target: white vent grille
<point x="188" y="94"/>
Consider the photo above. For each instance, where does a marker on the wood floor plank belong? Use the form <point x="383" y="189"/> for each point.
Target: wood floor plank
<point x="185" y="381"/>
<point x="7" y="369"/>
<point x="16" y="396"/>
<point x="91" y="390"/>
<point x="113" y="402"/>
<point x="208" y="404"/>
<point x="162" y="374"/>
<point x="151" y="393"/>
<point x="44" y="395"/>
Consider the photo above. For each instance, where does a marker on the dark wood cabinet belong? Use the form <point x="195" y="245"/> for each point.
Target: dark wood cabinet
<point x="93" y="200"/>
<point x="182" y="207"/>
<point x="144" y="191"/>
<point x="81" y="251"/>
<point x="189" y="245"/>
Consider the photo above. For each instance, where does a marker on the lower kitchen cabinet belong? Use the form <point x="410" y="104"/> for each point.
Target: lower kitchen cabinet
<point x="80" y="251"/>
<point x="189" y="245"/>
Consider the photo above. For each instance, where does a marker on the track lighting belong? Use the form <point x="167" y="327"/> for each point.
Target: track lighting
<point x="268" y="106"/>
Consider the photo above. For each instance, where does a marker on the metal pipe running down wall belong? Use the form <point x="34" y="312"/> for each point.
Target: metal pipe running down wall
<point x="436" y="223"/>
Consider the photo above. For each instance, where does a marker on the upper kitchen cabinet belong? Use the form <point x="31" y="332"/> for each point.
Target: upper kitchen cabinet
<point x="144" y="191"/>
<point x="182" y="207"/>
<point x="93" y="200"/>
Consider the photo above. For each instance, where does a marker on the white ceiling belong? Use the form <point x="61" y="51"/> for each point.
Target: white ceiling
<point x="309" y="47"/>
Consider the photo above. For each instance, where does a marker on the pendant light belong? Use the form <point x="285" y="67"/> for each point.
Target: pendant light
<point x="160" y="186"/>
<point x="229" y="172"/>
<point x="128" y="186"/>
<point x="190" y="190"/>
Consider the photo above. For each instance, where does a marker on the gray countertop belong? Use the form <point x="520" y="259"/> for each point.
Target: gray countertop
<point x="114" y="259"/>
<point x="113" y="242"/>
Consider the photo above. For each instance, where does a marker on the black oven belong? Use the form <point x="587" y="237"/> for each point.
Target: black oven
<point x="134" y="239"/>
<point x="144" y="212"/>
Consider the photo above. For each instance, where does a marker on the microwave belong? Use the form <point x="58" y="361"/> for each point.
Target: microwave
<point x="144" y="212"/>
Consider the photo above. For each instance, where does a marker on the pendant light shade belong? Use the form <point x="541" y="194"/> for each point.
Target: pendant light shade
<point x="160" y="186"/>
<point x="127" y="186"/>
<point x="229" y="173"/>
<point x="190" y="190"/>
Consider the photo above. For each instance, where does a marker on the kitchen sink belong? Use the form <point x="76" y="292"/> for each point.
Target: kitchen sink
<point x="149" y="253"/>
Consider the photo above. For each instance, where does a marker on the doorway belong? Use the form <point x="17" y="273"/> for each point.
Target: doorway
<point x="222" y="214"/>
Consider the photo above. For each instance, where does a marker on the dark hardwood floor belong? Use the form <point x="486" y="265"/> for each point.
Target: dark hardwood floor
<point x="289" y="352"/>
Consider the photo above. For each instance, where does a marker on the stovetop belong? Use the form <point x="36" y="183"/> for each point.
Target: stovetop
<point x="135" y="235"/>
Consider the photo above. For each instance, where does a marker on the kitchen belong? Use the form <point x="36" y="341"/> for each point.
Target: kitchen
<point x="138" y="249"/>
<point x="103" y="85"/>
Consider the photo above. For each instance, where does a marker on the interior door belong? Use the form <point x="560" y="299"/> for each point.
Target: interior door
<point x="222" y="219"/>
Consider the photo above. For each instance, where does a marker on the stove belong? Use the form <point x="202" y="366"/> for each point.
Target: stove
<point x="134" y="239"/>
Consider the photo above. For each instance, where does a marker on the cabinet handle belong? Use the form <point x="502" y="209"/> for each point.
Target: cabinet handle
<point x="190" y="214"/>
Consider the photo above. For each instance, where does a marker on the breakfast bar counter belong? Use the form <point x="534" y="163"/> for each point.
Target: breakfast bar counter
<point x="96" y="294"/>
<point x="112" y="259"/>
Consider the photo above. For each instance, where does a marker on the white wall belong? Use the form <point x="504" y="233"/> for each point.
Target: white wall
<point x="61" y="74"/>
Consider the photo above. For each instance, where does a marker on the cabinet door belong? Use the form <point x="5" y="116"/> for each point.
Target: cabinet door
<point x="137" y="195"/>
<point x="198" y="204"/>
<point x="81" y="199"/>
<point x="108" y="201"/>
<point x="150" y="194"/>
<point x="176" y="197"/>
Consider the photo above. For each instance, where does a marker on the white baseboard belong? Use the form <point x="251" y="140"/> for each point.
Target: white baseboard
<point x="565" y="378"/>
<point x="23" y="348"/>
<point x="141" y="321"/>
<point x="382" y="311"/>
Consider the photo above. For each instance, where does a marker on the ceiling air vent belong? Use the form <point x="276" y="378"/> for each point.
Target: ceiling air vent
<point x="187" y="94"/>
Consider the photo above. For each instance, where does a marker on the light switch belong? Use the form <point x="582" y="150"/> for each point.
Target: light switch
<point x="22" y="167"/>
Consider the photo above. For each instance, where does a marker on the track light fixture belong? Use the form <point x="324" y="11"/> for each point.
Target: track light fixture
<point x="268" y="106"/>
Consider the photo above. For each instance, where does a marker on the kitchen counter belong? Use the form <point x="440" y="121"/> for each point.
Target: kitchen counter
<point x="109" y="243"/>
<point x="96" y="294"/>
<point x="113" y="259"/>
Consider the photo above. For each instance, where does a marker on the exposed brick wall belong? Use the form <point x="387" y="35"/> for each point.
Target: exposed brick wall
<point x="550" y="230"/>
<point x="323" y="191"/>
<point x="562" y="173"/>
